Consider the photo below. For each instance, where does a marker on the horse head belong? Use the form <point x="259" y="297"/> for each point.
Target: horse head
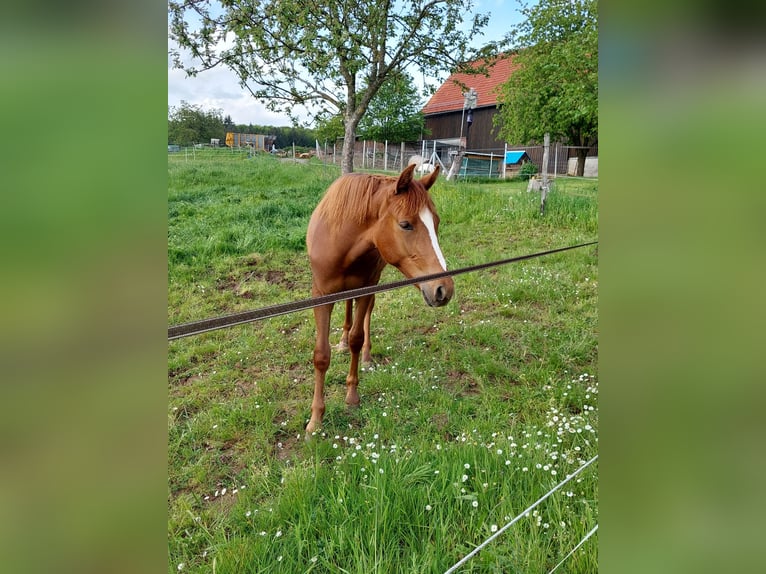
<point x="406" y="234"/>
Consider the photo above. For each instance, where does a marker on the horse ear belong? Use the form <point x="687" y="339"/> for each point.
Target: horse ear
<point x="405" y="179"/>
<point x="429" y="180"/>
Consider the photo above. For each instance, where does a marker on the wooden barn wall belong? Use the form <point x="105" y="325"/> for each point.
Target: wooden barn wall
<point x="482" y="136"/>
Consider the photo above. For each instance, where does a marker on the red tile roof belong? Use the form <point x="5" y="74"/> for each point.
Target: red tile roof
<point x="449" y="97"/>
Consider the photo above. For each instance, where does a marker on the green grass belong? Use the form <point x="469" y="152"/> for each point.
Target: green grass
<point x="502" y="380"/>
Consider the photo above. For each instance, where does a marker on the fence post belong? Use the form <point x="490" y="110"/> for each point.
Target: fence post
<point x="546" y="154"/>
<point x="385" y="157"/>
<point x="457" y="161"/>
<point x="505" y="155"/>
<point x="401" y="159"/>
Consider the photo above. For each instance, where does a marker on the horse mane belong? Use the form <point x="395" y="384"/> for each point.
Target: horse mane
<point x="358" y="197"/>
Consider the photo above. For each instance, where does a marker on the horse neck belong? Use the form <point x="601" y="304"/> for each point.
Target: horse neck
<point x="362" y="201"/>
<point x="359" y="200"/>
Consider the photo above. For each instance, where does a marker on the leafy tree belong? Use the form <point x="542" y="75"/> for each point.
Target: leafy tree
<point x="556" y="88"/>
<point x="394" y="114"/>
<point x="325" y="55"/>
<point x="228" y="124"/>
<point x="329" y="127"/>
<point x="189" y="124"/>
<point x="287" y="136"/>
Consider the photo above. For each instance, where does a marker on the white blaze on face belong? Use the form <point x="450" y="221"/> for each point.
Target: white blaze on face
<point x="428" y="220"/>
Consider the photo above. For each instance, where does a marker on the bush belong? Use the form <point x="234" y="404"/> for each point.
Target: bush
<point x="527" y="170"/>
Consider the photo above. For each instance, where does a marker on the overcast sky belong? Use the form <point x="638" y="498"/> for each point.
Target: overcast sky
<point x="219" y="88"/>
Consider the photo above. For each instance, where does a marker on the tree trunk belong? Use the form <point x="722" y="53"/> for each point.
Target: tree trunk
<point x="349" y="140"/>
<point x="582" y="153"/>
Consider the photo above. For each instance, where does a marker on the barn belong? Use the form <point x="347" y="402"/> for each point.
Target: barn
<point x="446" y="113"/>
<point x="446" y="118"/>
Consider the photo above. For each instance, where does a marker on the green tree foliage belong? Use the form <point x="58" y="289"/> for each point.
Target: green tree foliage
<point x="286" y="135"/>
<point x="329" y="127"/>
<point x="328" y="56"/>
<point x="556" y="88"/>
<point x="189" y="124"/>
<point x="394" y="114"/>
<point x="228" y="124"/>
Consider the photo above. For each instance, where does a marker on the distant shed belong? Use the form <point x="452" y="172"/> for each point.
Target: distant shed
<point x="514" y="160"/>
<point x="257" y="142"/>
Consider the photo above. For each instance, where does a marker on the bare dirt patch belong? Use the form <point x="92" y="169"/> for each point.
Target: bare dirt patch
<point x="275" y="277"/>
<point x="242" y="286"/>
<point x="440" y="421"/>
<point x="461" y="383"/>
<point x="285" y="446"/>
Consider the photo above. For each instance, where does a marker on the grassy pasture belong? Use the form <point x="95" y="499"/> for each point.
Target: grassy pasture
<point x="470" y="413"/>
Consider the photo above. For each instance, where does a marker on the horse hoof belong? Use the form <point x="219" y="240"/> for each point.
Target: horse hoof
<point x="312" y="428"/>
<point x="342" y="347"/>
<point x="353" y="402"/>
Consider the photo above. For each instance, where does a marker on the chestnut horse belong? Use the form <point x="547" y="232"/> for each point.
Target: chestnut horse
<point x="363" y="223"/>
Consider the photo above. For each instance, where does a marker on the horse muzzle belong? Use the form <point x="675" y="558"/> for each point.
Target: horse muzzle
<point x="438" y="293"/>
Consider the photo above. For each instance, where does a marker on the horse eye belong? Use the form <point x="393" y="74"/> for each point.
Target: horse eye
<point x="406" y="225"/>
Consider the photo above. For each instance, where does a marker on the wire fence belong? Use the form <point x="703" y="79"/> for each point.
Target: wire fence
<point x="585" y="538"/>
<point x="523" y="513"/>
<point x="389" y="156"/>
<point x="211" y="324"/>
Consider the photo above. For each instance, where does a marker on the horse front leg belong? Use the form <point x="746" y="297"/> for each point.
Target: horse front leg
<point x="321" y="364"/>
<point x="356" y="340"/>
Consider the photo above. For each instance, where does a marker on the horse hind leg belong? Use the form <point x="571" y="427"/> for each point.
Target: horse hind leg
<point x="367" y="346"/>
<point x="343" y="343"/>
<point x="356" y="340"/>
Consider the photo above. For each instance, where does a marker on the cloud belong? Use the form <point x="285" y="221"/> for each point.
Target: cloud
<point x="219" y="88"/>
